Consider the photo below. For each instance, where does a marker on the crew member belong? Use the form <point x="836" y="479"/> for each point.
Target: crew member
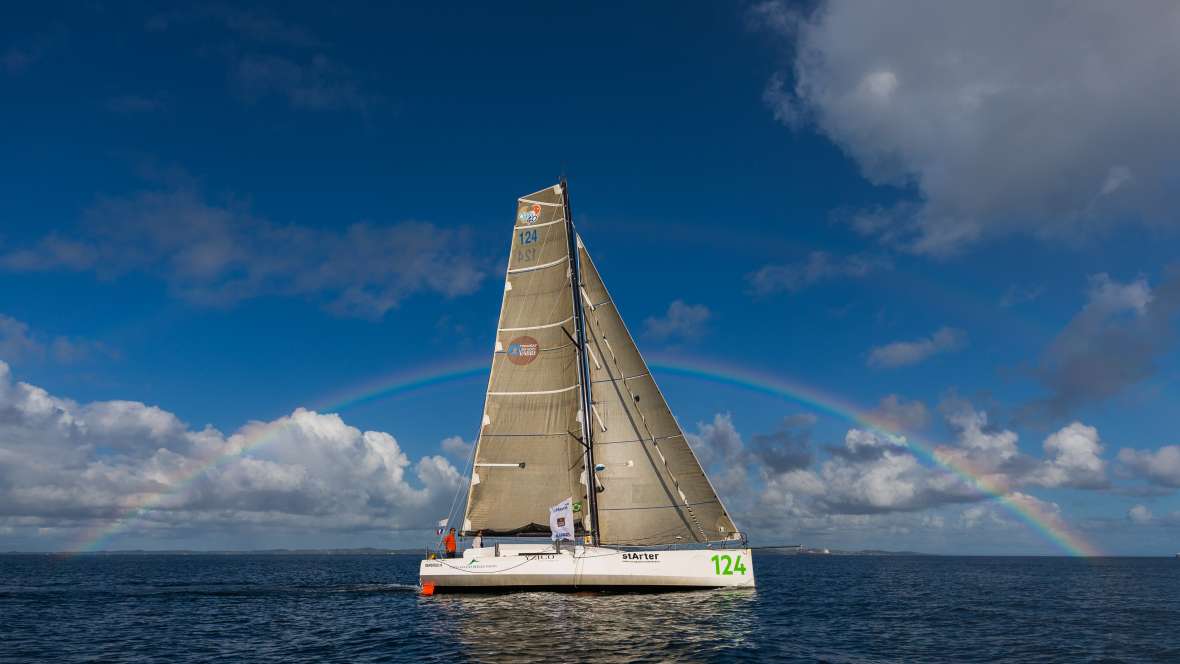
<point x="449" y="543"/>
<point x="477" y="541"/>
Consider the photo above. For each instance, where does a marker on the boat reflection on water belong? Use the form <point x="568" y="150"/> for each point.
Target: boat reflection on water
<point x="614" y="626"/>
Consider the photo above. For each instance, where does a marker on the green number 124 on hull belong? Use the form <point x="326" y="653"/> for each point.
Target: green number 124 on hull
<point x="728" y="566"/>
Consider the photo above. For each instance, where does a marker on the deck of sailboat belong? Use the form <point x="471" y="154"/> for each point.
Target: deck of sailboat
<point x="542" y="567"/>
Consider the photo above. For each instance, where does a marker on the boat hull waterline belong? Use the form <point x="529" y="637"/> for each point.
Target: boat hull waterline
<point x="531" y="567"/>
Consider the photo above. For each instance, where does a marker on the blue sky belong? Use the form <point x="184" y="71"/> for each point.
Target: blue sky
<point x="218" y="216"/>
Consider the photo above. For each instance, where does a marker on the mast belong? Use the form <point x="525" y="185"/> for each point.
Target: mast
<point x="583" y="366"/>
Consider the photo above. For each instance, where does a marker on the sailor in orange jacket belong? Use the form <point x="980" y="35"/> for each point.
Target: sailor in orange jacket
<point x="449" y="543"/>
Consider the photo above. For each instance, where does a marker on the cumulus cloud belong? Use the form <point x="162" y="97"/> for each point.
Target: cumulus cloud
<point x="220" y="254"/>
<point x="1073" y="459"/>
<point x="456" y="448"/>
<point x="1072" y="454"/>
<point x="878" y="485"/>
<point x="1160" y="467"/>
<point x="1111" y="344"/>
<point x="68" y="468"/>
<point x="905" y="353"/>
<point x="717" y="441"/>
<point x="819" y="266"/>
<point x="1139" y="514"/>
<point x="789" y="448"/>
<point x="682" y="321"/>
<point x="1057" y="124"/>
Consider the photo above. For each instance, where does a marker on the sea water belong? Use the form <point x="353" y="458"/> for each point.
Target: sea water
<point x="279" y="608"/>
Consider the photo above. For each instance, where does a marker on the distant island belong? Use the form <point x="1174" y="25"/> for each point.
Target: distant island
<point x="800" y="550"/>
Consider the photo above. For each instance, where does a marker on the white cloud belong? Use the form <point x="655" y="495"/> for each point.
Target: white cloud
<point x="1072" y="454"/>
<point x="1160" y="467"/>
<point x="681" y="321"/>
<point x="456" y="448"/>
<point x="717" y="441"/>
<point x="1004" y="117"/>
<point x="1139" y="514"/>
<point x="905" y="353"/>
<point x="1073" y="459"/>
<point x="819" y="266"/>
<point x="221" y="254"/>
<point x="872" y="474"/>
<point x="66" y="468"/>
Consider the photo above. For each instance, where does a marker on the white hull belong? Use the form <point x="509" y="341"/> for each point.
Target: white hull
<point x="539" y="567"/>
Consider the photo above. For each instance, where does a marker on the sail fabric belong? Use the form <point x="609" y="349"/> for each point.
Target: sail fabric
<point x="652" y="490"/>
<point x="528" y="455"/>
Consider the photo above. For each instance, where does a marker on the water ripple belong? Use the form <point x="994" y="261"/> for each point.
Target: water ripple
<point x="367" y="609"/>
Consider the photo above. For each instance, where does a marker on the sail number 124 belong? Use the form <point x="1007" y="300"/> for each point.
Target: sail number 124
<point x="728" y="566"/>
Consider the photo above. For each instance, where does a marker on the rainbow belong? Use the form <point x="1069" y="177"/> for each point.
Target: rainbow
<point x="1026" y="509"/>
<point x="1022" y="506"/>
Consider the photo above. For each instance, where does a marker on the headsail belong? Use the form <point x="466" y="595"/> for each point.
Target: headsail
<point x="654" y="490"/>
<point x="529" y="455"/>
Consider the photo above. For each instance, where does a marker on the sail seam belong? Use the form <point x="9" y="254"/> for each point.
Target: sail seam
<point x="611" y="380"/>
<point x="536" y="393"/>
<point x="637" y="440"/>
<point x="559" y="261"/>
<point x="536" y="327"/>
<point x="545" y="203"/>
<point x="529" y="435"/>
<point x="547" y="223"/>
<point x="658" y="507"/>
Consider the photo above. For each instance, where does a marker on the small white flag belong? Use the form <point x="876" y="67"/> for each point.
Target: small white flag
<point x="561" y="520"/>
<point x="442" y="523"/>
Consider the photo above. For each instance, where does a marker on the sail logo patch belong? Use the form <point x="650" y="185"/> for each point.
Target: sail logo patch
<point x="522" y="350"/>
<point x="528" y="214"/>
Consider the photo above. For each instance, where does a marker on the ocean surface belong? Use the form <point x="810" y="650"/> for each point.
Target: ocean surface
<point x="266" y="608"/>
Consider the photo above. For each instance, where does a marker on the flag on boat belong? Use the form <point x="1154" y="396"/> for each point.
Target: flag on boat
<point x="561" y="520"/>
<point x="442" y="525"/>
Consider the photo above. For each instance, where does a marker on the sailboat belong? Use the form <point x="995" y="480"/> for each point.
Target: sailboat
<point x="574" y="424"/>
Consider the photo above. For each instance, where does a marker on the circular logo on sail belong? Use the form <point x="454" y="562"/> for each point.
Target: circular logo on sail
<point x="528" y="214"/>
<point x="522" y="350"/>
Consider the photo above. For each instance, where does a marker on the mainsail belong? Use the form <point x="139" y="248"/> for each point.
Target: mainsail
<point x="530" y="453"/>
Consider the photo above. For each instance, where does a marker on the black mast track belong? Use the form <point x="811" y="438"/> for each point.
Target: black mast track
<point x="583" y="365"/>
